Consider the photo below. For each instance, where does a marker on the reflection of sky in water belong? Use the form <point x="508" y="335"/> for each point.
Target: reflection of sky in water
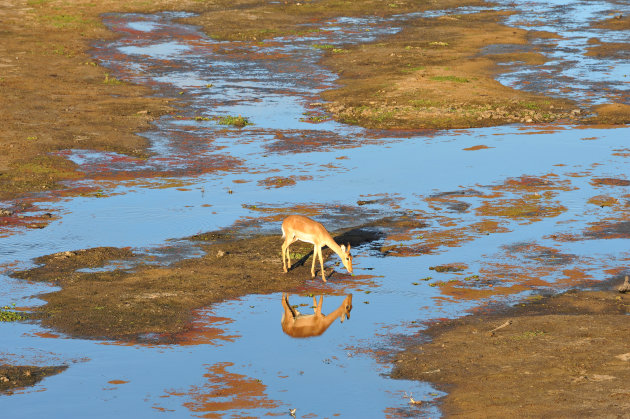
<point x="165" y="50"/>
<point x="146" y="26"/>
<point x="324" y="375"/>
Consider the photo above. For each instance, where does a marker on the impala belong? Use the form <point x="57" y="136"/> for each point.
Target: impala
<point x="298" y="227"/>
<point x="298" y="325"/>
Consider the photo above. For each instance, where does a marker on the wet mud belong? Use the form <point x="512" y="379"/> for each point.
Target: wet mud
<point x="15" y="377"/>
<point x="558" y="356"/>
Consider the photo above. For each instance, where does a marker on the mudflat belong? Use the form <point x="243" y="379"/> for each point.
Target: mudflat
<point x="430" y="75"/>
<point x="559" y="356"/>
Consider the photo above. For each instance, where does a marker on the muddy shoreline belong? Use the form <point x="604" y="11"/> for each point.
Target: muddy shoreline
<point x="101" y="298"/>
<point x="16" y="377"/>
<point x="563" y="355"/>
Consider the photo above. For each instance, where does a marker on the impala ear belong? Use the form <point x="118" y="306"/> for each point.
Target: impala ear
<point x="348" y="246"/>
<point x="343" y="248"/>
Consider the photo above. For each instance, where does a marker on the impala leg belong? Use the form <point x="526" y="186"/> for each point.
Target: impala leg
<point x="285" y="252"/>
<point x="314" y="259"/>
<point x="288" y="311"/>
<point x="318" y="310"/>
<point x="321" y="262"/>
<point x="289" y="256"/>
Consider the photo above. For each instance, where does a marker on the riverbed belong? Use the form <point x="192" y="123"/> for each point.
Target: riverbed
<point x="511" y="208"/>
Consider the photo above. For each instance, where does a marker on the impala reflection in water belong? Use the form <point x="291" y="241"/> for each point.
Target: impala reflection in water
<point x="298" y="325"/>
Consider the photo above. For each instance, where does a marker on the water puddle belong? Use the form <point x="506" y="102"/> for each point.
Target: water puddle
<point x="508" y="209"/>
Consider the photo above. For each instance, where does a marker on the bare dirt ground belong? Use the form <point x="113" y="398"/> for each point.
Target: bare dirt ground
<point x="559" y="356"/>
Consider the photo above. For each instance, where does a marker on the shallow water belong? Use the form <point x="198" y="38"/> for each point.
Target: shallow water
<point x="237" y="360"/>
<point x="569" y="73"/>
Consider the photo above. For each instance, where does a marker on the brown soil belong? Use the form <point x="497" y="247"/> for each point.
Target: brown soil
<point x="129" y="303"/>
<point x="54" y="97"/>
<point x="617" y="22"/>
<point x="560" y="356"/>
<point x="433" y="75"/>
<point x="611" y="114"/>
<point x="14" y="377"/>
<point x="609" y="50"/>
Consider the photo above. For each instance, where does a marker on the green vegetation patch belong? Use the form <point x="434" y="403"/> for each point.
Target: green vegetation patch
<point x="8" y="315"/>
<point x="236" y="121"/>
<point x="454" y="79"/>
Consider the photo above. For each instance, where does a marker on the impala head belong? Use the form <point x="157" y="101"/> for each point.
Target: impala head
<point x="347" y="307"/>
<point x="346" y="257"/>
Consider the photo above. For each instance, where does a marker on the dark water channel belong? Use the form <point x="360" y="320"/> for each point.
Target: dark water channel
<point x="237" y="361"/>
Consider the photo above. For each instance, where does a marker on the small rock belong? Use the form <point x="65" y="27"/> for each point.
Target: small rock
<point x="220" y="253"/>
<point x="624" y="357"/>
<point x="5" y="212"/>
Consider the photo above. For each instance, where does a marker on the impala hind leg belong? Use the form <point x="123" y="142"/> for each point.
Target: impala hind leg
<point x="314" y="259"/>
<point x="285" y="253"/>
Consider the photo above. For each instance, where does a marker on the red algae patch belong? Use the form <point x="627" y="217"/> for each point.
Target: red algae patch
<point x="603" y="201"/>
<point x="451" y="267"/>
<point x="609" y="230"/>
<point x="610" y="182"/>
<point x="522" y="209"/>
<point x="455" y="290"/>
<point x="535" y="184"/>
<point x="281" y="181"/>
<point x="477" y="147"/>
<point x="224" y="391"/>
<point x="205" y="330"/>
<point x="117" y="382"/>
<point x="519" y="268"/>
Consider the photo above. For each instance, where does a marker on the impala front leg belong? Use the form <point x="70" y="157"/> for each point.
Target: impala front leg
<point x="314" y="259"/>
<point x="321" y="263"/>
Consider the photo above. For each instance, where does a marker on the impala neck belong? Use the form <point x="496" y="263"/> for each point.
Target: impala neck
<point x="332" y="245"/>
<point x="330" y="317"/>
